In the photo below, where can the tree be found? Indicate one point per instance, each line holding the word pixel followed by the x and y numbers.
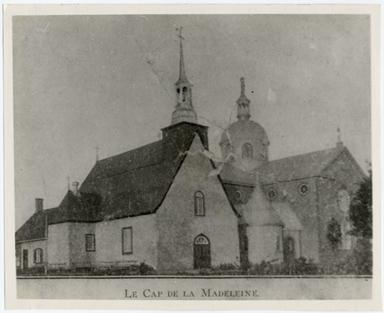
pixel 361 209
pixel 334 233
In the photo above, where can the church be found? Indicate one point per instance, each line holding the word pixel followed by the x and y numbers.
pixel 176 207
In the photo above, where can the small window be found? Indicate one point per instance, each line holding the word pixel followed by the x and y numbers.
pixel 247 151
pixel 239 196
pixel 127 241
pixel 272 194
pixel 199 204
pixel 303 189
pixel 343 200
pixel 90 243
pixel 38 256
pixel 184 93
pixel 278 244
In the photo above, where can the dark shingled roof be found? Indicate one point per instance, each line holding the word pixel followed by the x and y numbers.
pixel 82 208
pixel 128 184
pixel 298 166
pixel 294 167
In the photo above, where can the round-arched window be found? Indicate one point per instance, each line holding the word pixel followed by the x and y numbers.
pixel 238 196
pixel 343 200
pixel 199 204
pixel 303 189
pixel 247 151
pixel 272 193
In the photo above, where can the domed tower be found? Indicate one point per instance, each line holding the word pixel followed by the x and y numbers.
pixel 246 139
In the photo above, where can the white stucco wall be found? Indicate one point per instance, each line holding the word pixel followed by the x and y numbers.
pixel 178 226
pixel 58 251
pixel 295 234
pixel 109 241
pixel 79 257
pixel 31 246
pixel 262 243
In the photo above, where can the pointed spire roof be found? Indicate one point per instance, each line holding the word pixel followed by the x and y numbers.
pixel 182 75
pixel 243 112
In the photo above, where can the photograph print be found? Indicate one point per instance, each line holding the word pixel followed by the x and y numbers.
pixel 208 152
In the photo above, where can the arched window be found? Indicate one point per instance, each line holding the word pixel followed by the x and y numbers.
pixel 38 256
pixel 247 151
pixel 184 93
pixel 344 201
pixel 199 204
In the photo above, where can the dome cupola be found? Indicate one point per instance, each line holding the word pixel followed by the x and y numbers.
pixel 245 139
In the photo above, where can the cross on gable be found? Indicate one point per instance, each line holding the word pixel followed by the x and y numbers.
pixel 180 29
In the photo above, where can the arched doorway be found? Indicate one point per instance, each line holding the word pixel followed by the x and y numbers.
pixel 289 249
pixel 201 252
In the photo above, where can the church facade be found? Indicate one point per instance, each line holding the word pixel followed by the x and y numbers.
pixel 172 205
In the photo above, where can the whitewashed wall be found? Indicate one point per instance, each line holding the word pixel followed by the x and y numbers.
pixel 178 225
pixel 262 243
pixel 31 246
pixel 109 241
pixel 78 255
pixel 58 245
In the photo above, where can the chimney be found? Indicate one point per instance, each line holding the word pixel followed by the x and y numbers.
pixel 75 188
pixel 39 205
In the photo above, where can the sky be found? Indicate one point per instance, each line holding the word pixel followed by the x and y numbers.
pixel 82 82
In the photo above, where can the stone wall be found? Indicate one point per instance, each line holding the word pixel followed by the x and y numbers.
pixel 342 174
pixel 306 209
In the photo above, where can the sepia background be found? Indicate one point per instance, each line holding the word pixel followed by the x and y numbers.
pixel 82 82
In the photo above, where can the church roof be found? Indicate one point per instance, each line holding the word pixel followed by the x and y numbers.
pixel 298 166
pixel 81 208
pixel 128 184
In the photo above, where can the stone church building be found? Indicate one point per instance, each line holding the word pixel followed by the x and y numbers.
pixel 174 206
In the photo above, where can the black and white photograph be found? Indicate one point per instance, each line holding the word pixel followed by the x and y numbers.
pixel 192 156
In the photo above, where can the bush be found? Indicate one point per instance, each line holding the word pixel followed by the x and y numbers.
pixel 358 262
pixel 300 266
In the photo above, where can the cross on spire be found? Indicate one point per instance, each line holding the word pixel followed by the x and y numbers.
pixel 97 150
pixel 339 143
pixel 242 86
pixel 243 112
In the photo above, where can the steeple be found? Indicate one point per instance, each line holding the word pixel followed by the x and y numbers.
pixel 243 112
pixel 184 111
pixel 339 143
pixel 182 76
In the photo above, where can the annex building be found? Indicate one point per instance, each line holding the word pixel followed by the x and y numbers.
pixel 171 205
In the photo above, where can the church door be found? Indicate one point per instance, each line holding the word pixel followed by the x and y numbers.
pixel 289 250
pixel 201 252
pixel 25 259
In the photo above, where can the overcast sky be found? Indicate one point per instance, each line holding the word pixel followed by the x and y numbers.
pixel 108 81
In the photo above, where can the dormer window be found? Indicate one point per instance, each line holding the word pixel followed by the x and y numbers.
pixel 199 204
pixel 247 151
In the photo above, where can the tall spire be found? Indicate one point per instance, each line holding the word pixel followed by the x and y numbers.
pixel 184 111
pixel 243 112
pixel 182 75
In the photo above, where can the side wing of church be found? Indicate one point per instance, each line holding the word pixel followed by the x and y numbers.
pixel 168 205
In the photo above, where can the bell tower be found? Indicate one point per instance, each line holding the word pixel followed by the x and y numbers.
pixel 184 111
